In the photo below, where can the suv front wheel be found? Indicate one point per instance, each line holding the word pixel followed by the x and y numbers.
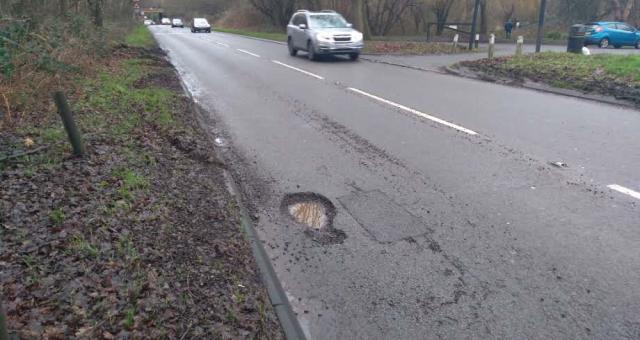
pixel 292 50
pixel 311 51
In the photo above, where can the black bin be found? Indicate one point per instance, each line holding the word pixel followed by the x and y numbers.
pixel 576 38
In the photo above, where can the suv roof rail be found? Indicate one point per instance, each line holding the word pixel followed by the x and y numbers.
pixel 328 11
pixel 302 10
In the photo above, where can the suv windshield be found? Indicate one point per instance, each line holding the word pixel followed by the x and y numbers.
pixel 327 21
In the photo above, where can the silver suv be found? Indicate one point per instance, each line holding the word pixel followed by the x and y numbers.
pixel 320 33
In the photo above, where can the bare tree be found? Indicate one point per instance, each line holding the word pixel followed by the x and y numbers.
pixel 360 18
pixel 621 9
pixel 278 11
pixel 383 15
pixel 441 9
pixel 418 14
pixel 96 8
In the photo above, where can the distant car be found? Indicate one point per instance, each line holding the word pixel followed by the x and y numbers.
pixel 321 33
pixel 200 25
pixel 165 21
pixel 149 22
pixel 177 23
pixel 616 34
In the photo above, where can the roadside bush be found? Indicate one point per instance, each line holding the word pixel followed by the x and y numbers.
pixel 554 36
pixel 36 59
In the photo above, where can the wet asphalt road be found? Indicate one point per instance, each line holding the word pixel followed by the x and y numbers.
pixel 456 224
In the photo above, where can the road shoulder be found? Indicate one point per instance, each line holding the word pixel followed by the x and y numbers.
pixel 140 237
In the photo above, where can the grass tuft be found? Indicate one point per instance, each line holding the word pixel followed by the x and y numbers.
pixel 57 216
pixel 140 37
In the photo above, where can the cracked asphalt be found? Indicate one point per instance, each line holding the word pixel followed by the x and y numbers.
pixel 456 223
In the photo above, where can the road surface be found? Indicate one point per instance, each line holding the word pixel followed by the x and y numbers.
pixel 457 224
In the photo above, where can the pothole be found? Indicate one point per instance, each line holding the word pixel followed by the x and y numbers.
pixel 312 214
pixel 316 213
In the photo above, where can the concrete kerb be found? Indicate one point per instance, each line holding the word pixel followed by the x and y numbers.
pixel 279 301
pixel 417 68
pixel 252 38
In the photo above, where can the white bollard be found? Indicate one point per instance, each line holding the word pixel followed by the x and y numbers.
pixel 477 40
pixel 492 45
pixel 519 46
pixel 455 41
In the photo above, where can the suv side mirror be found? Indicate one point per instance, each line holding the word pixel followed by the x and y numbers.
pixel 350 25
pixel 302 26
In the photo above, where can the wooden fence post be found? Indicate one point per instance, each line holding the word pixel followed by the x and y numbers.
pixel 4 332
pixel 75 137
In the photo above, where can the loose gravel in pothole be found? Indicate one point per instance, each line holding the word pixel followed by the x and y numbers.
pixel 316 213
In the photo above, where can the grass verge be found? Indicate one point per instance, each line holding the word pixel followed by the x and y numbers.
pixel 603 74
pixel 411 48
pixel 140 37
pixel 138 239
pixel 282 37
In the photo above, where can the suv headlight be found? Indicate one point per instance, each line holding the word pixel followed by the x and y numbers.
pixel 325 37
pixel 357 36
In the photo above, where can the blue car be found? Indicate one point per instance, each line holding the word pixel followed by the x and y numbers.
pixel 616 34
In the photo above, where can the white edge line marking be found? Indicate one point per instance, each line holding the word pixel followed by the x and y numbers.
pixel 247 52
pixel 222 44
pixel 415 112
pixel 624 190
pixel 299 70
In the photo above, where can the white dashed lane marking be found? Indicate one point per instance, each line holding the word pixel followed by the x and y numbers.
pixel 624 190
pixel 247 52
pixel 297 69
pixel 415 112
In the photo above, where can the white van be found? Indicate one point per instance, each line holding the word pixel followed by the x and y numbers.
pixel 200 25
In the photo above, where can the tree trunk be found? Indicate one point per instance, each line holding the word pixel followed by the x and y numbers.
pixel 62 6
pixel 483 17
pixel 620 12
pixel 4 8
pixel 96 10
pixel 627 10
pixel 359 14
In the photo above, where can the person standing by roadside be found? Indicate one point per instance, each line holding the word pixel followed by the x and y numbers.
pixel 508 28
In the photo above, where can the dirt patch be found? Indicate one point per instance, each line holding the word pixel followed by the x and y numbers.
pixel 139 239
pixel 159 79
